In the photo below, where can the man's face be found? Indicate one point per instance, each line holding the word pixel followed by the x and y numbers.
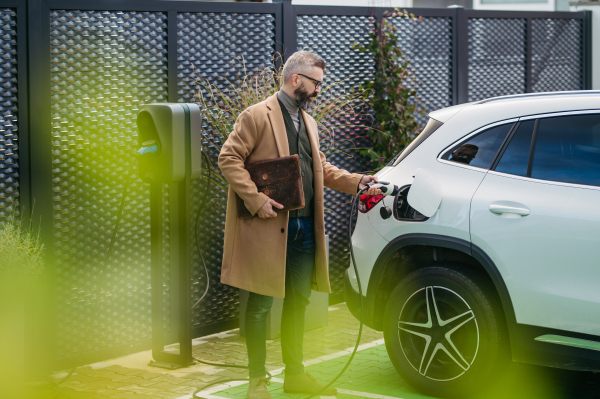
pixel 307 89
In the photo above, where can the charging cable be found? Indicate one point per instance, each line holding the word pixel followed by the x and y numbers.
pixel 360 328
pixel 141 152
pixel 206 290
pixel 200 209
pixel 386 188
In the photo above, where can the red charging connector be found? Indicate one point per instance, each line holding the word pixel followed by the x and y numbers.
pixel 368 202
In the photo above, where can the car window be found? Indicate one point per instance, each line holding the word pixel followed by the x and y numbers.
pixel 567 149
pixel 432 126
pixel 516 156
pixel 481 149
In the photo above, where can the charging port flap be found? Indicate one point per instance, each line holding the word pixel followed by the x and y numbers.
pixel 425 193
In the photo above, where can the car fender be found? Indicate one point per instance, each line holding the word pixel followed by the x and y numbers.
pixel 444 242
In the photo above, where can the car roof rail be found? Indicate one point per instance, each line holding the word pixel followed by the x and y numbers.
pixel 542 94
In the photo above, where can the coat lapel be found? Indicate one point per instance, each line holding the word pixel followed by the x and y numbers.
pixel 314 142
pixel 278 126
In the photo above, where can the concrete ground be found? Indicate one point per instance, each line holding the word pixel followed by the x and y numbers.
pixel 371 374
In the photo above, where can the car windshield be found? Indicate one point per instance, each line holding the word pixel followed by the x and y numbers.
pixel 432 126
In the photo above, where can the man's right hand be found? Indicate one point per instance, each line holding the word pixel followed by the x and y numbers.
pixel 266 211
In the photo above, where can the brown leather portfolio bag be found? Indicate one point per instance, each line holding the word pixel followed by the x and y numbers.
pixel 280 179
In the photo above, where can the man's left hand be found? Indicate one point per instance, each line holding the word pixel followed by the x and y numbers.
pixel 369 179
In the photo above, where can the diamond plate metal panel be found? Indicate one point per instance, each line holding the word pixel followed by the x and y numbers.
pixel 216 46
pixel 105 65
pixel 497 57
pixel 557 54
pixel 427 45
pixel 331 37
pixel 9 135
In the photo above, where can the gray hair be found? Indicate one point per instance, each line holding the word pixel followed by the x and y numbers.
pixel 301 62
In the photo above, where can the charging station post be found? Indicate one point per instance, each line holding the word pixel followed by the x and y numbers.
pixel 170 153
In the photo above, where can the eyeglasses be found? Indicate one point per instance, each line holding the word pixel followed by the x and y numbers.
pixel 317 82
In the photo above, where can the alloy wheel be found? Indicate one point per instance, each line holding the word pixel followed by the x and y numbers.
pixel 438 333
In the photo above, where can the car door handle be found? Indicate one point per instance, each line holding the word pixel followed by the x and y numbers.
pixel 510 209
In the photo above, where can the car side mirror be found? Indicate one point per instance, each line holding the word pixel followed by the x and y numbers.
pixel 425 193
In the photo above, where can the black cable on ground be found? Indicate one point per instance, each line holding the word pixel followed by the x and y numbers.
pixel 222 381
pixel 100 285
pixel 200 209
pixel 356 199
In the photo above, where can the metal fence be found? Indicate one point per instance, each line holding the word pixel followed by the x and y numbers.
pixel 74 75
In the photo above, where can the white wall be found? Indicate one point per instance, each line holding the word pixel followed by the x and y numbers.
pixel 548 5
pixel 595 8
pixel 360 3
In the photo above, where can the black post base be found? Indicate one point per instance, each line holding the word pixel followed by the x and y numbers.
pixel 168 366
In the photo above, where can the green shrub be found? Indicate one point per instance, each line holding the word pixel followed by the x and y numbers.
pixel 391 93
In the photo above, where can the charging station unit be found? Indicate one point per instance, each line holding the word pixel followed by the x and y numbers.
pixel 171 153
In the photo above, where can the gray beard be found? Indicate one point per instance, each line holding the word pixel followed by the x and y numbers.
pixel 305 100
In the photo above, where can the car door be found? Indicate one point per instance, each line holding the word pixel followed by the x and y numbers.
pixel 536 214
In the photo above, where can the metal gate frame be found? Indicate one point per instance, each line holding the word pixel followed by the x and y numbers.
pixel 460 17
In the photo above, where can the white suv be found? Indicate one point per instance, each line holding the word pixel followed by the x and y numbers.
pixel 509 264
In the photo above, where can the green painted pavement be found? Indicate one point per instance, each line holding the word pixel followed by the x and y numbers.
pixel 372 372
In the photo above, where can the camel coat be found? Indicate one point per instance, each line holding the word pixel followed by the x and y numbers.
pixel 254 250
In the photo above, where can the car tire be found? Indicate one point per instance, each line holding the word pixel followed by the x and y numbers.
pixel 445 332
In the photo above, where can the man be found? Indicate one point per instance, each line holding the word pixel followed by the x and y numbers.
pixel 280 254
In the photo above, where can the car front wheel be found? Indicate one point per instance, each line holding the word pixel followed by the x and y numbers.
pixel 444 331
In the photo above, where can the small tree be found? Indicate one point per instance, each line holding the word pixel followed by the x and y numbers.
pixel 391 93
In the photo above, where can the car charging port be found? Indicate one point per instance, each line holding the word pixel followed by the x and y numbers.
pixel 403 211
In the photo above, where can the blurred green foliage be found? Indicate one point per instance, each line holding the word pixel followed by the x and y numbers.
pixel 20 250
